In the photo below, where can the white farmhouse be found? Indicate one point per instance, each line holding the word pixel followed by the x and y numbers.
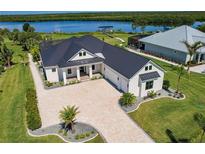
pixel 87 55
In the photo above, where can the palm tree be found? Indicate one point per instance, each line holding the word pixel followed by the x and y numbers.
pixel 128 99
pixel 200 119
pixel 6 55
pixel 192 49
pixel 180 72
pixel 67 116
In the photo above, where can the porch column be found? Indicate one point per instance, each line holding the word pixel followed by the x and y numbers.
pixel 199 57
pixel 90 71
pixel 78 74
pixel 64 77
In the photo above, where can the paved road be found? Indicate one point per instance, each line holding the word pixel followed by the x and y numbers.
pixel 97 102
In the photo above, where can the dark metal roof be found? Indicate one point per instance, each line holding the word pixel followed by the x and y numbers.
pixel 148 76
pixel 84 61
pixel 58 53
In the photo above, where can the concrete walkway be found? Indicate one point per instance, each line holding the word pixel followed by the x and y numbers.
pixel 98 104
pixel 198 69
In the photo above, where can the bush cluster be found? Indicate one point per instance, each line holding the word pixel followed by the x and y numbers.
pixel 82 136
pixel 32 117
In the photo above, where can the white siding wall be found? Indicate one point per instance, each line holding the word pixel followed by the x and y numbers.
pixel 117 79
pixel 51 76
pixel 138 88
pixel 170 54
pixel 77 57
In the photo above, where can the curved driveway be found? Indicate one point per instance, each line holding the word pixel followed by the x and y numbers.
pixel 98 105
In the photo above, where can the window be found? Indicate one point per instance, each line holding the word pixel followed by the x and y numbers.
pixel 150 67
pixel 80 54
pixel 53 69
pixel 117 78
pixel 93 67
pixel 69 71
pixel 149 85
pixel 84 53
pixel 146 68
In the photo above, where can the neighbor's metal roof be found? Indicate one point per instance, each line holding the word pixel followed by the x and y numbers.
pixel 174 38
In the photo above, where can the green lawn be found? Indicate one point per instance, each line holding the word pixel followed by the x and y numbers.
pixel 99 35
pixel 14 83
pixel 97 139
pixel 158 115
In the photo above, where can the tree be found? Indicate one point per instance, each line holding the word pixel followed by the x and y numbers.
pixel 192 49
pixel 26 27
pixel 201 28
pixel 35 53
pixel 180 72
pixel 127 99
pixel 6 55
pixel 1 40
pixel 31 29
pixel 200 119
pixel 23 58
pixel 68 115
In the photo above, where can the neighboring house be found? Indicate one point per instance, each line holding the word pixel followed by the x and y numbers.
pixel 87 55
pixel 169 44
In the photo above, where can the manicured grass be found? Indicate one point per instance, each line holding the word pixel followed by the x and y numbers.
pixel 99 35
pixel 97 139
pixel 158 115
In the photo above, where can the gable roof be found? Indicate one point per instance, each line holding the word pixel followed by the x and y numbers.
pixel 57 54
pixel 173 38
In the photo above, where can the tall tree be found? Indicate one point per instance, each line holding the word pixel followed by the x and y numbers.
pixel 68 115
pixel 6 55
pixel 26 27
pixel 192 49
pixel 200 119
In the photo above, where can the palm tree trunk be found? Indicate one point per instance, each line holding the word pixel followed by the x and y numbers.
pixel 178 83
pixel 188 67
pixel 9 62
pixel 202 136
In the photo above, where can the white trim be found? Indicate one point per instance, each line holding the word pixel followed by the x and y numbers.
pixel 70 59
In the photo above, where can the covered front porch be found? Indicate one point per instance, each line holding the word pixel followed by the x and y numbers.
pixel 81 73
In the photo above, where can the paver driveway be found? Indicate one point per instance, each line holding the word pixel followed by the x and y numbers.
pixel 97 102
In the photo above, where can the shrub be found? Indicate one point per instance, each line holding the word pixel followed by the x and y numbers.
pixel 48 84
pixel 32 117
pixel 151 94
pixel 128 99
pixel 1 69
pixel 166 84
pixel 74 82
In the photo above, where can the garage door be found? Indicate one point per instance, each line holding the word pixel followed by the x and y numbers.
pixel 111 76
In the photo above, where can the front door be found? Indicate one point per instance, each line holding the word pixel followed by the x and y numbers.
pixel 82 69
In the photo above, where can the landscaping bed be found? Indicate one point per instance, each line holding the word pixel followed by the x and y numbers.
pixel 82 132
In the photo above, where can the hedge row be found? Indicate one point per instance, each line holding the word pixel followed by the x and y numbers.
pixel 32 116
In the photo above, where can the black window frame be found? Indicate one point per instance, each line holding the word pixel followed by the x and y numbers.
pixel 80 54
pixel 146 68
pixel 69 71
pixel 53 69
pixel 93 67
pixel 84 53
pixel 149 85
pixel 150 67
